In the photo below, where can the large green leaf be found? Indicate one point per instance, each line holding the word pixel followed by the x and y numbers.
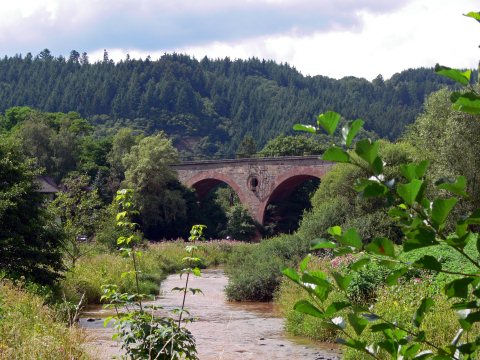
pixel 457 187
pixel 323 244
pixel 414 171
pixel 468 103
pixel 291 274
pixel 336 306
pixel 350 130
pixel 367 150
pixel 474 15
pixel 381 246
pixel 342 281
pixel 358 324
pixel 425 305
pixel 308 128
pixel 440 210
pixel 306 307
pixel 458 288
pixel 409 192
pixel 462 77
pixel 370 188
pixel 428 262
pixel 418 238
pixel 336 154
pixel 351 238
pixel 392 279
pixel 328 121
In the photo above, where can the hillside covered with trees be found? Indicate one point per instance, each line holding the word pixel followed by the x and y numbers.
pixel 207 107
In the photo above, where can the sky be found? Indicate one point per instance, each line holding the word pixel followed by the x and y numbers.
pixel 335 38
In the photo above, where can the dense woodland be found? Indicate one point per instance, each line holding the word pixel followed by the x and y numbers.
pixel 209 106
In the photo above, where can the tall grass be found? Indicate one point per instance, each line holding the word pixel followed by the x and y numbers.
pixel 29 329
pixel 157 261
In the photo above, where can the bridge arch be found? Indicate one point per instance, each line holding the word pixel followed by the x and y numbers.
pixel 204 183
pixel 286 184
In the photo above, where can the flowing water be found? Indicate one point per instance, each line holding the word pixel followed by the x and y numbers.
pixel 223 330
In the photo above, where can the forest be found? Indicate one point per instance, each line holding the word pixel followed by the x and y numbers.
pixel 207 107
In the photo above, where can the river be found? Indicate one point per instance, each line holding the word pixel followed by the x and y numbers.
pixel 224 330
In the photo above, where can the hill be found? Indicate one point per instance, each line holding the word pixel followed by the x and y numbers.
pixel 208 106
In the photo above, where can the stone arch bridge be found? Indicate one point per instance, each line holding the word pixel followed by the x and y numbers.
pixel 257 181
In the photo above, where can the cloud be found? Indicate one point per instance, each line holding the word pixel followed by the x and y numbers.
pixel 154 25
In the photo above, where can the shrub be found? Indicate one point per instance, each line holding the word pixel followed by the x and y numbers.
pixel 254 271
pixel 29 330
pixel 300 324
pixel 400 302
pixel 158 260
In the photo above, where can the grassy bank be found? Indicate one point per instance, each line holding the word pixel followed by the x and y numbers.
pixel 31 330
pixel 157 261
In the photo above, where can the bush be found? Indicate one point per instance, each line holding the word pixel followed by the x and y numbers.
pixel 254 271
pixel 400 302
pixel 158 260
pixel 299 324
pixel 29 329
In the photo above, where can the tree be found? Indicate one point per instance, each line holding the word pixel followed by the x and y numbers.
pixel 122 143
pixel 297 145
pixel 247 147
pixel 240 225
pixel 157 195
pixel 30 241
pixel 78 208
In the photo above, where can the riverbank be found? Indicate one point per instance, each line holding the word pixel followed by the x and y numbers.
pixel 223 330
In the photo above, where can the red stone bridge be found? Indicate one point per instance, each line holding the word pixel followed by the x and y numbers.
pixel 257 181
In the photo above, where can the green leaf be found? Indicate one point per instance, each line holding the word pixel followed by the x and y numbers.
pixel 196 271
pixel 335 307
pixel 358 324
pixel 367 150
pixel 308 128
pixel 336 154
pixel 335 231
pixel 458 187
pixel 355 344
pixel 440 210
pixel 408 192
pixel 350 130
pixel 468 103
pixel 381 327
pixel 370 188
pixel 351 238
pixel 359 263
pixel 456 75
pixel 458 288
pixel 474 218
pixel 381 246
pixel 377 166
pixel 425 306
pixel 414 171
pixel 342 281
pixel 323 244
pixel 428 262
pixel 304 262
pixel 305 307
pixel 392 279
pixel 328 121
pixel 474 15
pixel 291 274
pixel 418 238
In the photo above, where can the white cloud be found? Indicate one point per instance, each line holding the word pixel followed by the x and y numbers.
pixel 330 37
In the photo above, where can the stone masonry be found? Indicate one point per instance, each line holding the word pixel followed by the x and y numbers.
pixel 257 181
